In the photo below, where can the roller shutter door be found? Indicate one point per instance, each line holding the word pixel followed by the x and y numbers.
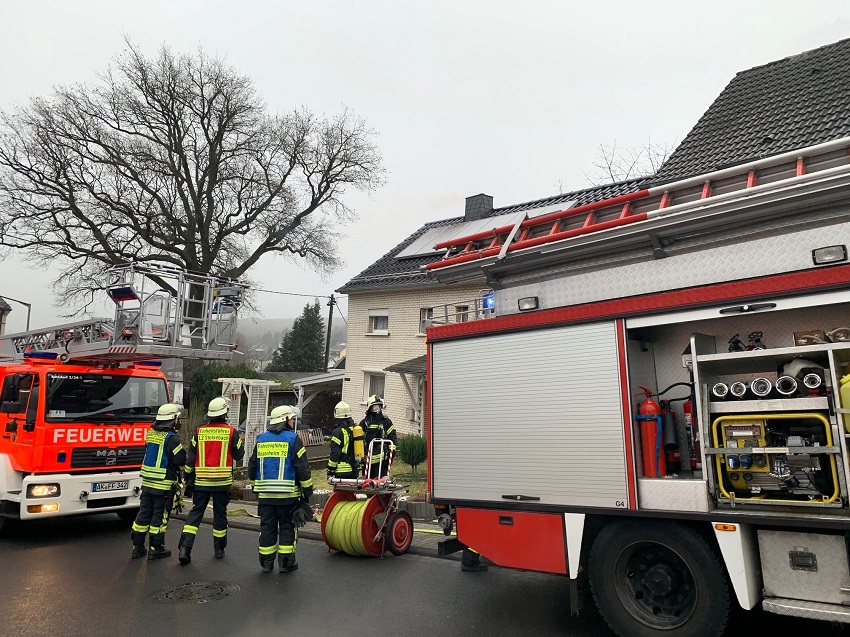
pixel 534 413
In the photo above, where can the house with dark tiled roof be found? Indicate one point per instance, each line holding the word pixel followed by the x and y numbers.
pixel 789 104
pixel 392 302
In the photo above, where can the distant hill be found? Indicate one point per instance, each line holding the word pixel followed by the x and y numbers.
pixel 254 328
pixel 269 331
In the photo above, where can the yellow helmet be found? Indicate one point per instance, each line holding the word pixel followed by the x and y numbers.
pixel 168 411
pixel 374 400
pixel 218 407
pixel 342 410
pixel 280 414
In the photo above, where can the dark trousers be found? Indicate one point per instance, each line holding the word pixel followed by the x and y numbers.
pixel 202 497
pixel 277 532
pixel 154 510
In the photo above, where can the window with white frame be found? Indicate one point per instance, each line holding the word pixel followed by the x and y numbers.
pixel 426 315
pixel 379 322
pixel 373 384
pixel 461 313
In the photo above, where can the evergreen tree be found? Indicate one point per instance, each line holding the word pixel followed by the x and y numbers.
pixel 303 347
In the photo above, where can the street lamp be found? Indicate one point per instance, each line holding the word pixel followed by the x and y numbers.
pixel 28 306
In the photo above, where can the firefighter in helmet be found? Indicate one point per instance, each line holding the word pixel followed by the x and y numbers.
pixel 164 455
pixel 378 426
pixel 343 462
pixel 281 478
pixel 209 474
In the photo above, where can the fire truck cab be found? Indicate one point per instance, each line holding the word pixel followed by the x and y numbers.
pixel 73 436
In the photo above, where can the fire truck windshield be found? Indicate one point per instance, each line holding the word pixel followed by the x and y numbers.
pixel 103 397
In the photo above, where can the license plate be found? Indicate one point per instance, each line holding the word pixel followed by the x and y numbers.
pixel 119 485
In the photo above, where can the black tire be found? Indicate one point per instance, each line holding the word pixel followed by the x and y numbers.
pixel 400 533
pixel 128 515
pixel 650 578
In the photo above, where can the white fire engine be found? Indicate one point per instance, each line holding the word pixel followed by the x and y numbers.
pixel 732 289
pixel 76 400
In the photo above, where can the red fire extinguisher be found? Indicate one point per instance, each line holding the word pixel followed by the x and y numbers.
pixel 694 447
pixel 654 465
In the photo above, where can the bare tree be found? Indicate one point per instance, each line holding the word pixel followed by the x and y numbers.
pixel 620 164
pixel 175 159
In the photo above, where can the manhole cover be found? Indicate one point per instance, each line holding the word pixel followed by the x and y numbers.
pixel 194 593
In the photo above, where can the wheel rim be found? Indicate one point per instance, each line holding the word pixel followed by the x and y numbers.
pixel 655 585
pixel 401 533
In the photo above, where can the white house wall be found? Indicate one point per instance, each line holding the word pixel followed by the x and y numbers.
pixel 404 342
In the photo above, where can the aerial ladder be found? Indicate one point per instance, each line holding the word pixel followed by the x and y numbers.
pixel 160 312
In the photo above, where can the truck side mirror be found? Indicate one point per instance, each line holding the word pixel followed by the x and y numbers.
pixel 10 407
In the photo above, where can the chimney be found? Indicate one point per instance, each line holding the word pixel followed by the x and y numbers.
pixel 478 207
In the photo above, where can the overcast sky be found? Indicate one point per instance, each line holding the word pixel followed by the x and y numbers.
pixel 507 98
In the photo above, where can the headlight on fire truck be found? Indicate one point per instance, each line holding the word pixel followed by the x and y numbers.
pixel 43 490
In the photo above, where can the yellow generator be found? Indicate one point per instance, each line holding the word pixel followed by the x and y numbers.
pixel 782 457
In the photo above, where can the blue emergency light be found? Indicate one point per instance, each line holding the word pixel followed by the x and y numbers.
pixel 489 301
pixel 51 356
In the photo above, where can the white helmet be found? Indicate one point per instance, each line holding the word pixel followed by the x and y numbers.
pixel 374 400
pixel 342 410
pixel 218 407
pixel 168 411
pixel 280 414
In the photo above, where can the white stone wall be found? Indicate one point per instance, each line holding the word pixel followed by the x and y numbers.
pixel 404 341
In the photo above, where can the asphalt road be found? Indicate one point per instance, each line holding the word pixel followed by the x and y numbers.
pixel 74 577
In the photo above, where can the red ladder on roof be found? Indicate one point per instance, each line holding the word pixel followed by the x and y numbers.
pixel 645 204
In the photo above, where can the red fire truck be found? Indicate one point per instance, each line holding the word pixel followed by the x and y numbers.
pixel 727 296
pixel 76 400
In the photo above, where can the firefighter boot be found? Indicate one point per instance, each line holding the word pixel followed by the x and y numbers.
pixel 471 561
pixel 139 550
pixel 219 553
pixel 158 552
pixel 185 548
pixel 287 563
pixel 267 562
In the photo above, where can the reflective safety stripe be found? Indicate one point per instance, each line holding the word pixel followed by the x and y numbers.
pixel 213 483
pixel 279 494
pixel 159 485
pixel 219 532
pixel 268 550
pixel 138 528
pixel 284 549
pixel 191 530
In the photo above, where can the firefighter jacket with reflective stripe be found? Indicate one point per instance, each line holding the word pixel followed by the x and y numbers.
pixel 209 461
pixel 378 426
pixel 342 451
pixel 278 468
pixel 163 457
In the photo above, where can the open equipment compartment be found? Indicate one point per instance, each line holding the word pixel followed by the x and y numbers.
pixel 779 421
